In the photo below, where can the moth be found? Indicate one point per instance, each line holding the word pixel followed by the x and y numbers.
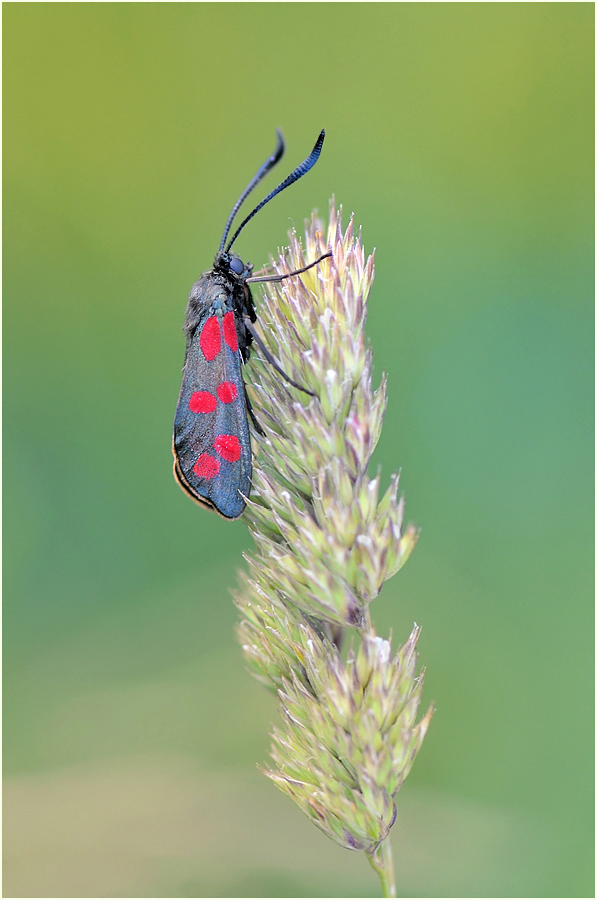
pixel 211 442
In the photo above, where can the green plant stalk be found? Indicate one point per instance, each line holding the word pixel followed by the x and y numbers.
pixel 382 861
pixel 325 543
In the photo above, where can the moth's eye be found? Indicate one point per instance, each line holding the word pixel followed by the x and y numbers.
pixel 237 265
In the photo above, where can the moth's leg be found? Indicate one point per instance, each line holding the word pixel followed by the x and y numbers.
pixel 252 330
pixel 277 278
pixel 251 412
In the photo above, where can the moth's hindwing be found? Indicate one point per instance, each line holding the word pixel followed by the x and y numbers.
pixel 212 449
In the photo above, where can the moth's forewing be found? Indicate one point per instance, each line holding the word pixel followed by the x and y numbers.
pixel 212 449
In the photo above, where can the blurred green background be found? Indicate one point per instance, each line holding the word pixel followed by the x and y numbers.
pixel 461 136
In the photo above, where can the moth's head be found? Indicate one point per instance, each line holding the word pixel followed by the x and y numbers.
pixel 232 265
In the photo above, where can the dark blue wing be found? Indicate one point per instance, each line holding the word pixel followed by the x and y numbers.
pixel 212 448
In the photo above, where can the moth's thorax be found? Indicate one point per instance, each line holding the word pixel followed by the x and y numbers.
pixel 215 293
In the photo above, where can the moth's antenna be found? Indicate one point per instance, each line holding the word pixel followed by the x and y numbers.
pixel 267 165
pixel 301 170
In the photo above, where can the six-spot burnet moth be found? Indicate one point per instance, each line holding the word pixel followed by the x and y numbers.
pixel 211 443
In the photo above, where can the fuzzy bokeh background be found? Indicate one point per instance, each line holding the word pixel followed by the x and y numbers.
pixel 461 136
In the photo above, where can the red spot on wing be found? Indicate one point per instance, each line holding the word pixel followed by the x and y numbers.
pixel 207 466
pixel 227 391
pixel 230 331
pixel 203 402
pixel 210 340
pixel 228 447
